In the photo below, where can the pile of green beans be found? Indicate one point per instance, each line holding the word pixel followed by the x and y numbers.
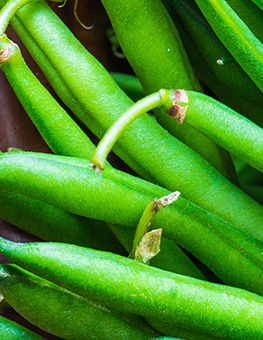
pixel 80 284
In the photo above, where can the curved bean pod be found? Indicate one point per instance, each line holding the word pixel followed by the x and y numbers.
pixel 225 126
pixel 141 157
pixel 63 136
pixel 147 35
pixel 57 128
pixel 61 313
pixel 211 49
pixel 81 191
pixel 133 287
pixel 10 330
pixel 236 36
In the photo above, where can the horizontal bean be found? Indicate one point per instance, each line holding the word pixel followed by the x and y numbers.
pixel 67 315
pixel 79 190
pixel 225 126
pixel 133 287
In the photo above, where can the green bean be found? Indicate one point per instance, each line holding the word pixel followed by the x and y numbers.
pixel 201 193
pixel 168 256
pixel 109 103
pixel 211 49
pixel 60 132
pixel 236 36
pixel 10 330
pixel 53 224
pixel 57 128
pixel 259 3
pixel 79 190
pixel 132 287
pixel 129 84
pixel 174 330
pixel 67 315
pixel 250 14
pixel 226 127
pixel 227 95
pixel 135 25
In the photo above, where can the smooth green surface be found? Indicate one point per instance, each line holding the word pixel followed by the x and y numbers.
pixel 78 189
pixel 133 287
pixel 129 84
pixel 149 149
pixel 154 49
pixel 10 330
pixel 67 315
pixel 211 49
pixel 236 36
pixel 238 135
pixel 54 224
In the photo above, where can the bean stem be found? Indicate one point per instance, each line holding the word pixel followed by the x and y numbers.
pixel 159 99
pixel 148 216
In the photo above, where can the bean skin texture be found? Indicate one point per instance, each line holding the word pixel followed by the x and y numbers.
pixel 63 136
pixel 133 287
pixel 212 49
pixel 64 314
pixel 79 190
pixel 226 127
pixel 53 224
pixel 164 155
pixel 147 29
pixel 241 103
pixel 10 330
pixel 236 36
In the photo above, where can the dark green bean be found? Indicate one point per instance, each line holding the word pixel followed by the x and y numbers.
pixel 211 49
pixel 133 287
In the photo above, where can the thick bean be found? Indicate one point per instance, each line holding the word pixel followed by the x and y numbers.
pixel 147 35
pixel 130 286
pixel 61 313
pixel 80 190
pixel 145 131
